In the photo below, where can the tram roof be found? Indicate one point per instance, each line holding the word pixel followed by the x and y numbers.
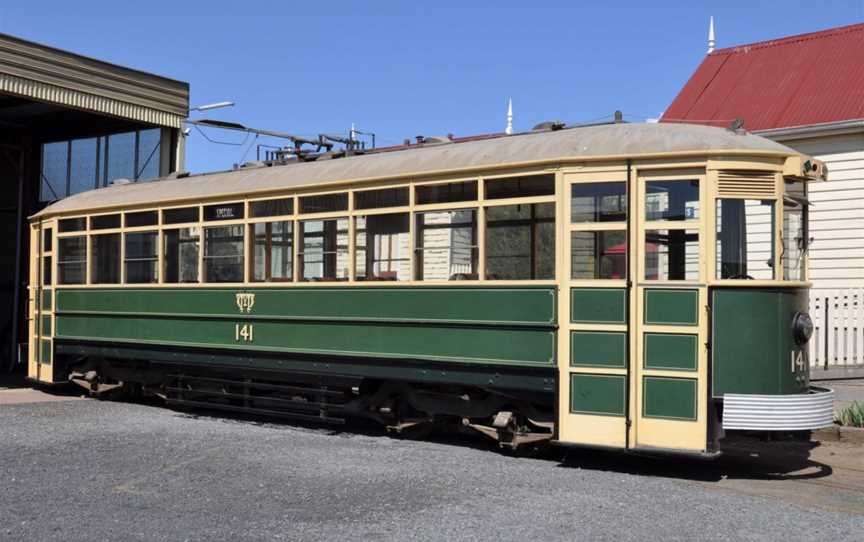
pixel 536 148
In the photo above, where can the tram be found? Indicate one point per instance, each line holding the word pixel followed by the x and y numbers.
pixel 626 286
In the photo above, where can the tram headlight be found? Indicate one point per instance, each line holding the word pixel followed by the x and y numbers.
pixel 802 327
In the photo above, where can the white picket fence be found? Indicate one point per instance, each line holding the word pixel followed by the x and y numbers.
pixel 838 334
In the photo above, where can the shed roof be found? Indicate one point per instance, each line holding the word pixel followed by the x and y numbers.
pixel 801 80
pixel 570 145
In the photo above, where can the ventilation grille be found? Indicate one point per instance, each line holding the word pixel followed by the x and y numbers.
pixel 744 183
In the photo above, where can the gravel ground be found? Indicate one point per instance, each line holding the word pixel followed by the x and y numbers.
pixel 91 470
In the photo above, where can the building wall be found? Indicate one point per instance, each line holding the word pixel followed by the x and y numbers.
pixel 837 213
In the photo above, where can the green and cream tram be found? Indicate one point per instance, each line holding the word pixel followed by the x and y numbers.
pixel 630 286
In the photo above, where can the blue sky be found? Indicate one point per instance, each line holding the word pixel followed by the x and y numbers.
pixel 400 69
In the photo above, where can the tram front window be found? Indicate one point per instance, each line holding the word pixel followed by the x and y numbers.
pixel 671 254
pixel 745 239
pixel 794 237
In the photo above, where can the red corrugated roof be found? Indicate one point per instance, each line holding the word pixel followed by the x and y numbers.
pixel 800 80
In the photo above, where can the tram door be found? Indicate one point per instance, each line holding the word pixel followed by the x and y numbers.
pixel 40 306
pixel 632 359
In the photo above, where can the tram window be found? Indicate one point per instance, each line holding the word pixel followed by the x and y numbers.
pixel 141 257
pixel 180 249
pixel 223 211
pixel 223 254
pixel 323 252
pixel 105 259
pixel 46 270
pixel 672 200
pixel 446 193
pixel 271 207
pixel 142 218
pixel 598 255
pixel 794 238
pixel 520 242
pixel 104 222
pixel 180 216
pixel 745 239
pixel 520 187
pixel 273 251
pixel 446 245
pixel 72 260
pixel 671 254
pixel 383 247
pixel 598 202
pixel 47 240
pixel 326 203
pixel 72 224
pixel 376 199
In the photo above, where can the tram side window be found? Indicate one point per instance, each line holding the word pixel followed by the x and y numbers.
pixel 745 239
pixel 520 242
pixel 223 254
pixel 141 258
pixel 272 251
pixel 72 260
pixel 446 245
pixel 324 250
pixel 105 259
pixel 598 254
pixel 672 200
pixel 795 240
pixel 671 254
pixel 383 247
pixel 181 255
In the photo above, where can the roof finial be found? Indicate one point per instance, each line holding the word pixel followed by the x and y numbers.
pixel 509 129
pixel 711 41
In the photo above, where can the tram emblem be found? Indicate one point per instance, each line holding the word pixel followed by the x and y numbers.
pixel 245 302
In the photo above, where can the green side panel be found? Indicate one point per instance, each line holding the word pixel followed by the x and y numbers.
pixel 46 326
pixel 598 305
pixel 672 307
pixel 525 346
pixel 597 394
pixel 598 348
pixel 46 300
pixel 489 305
pixel 671 351
pixel 673 398
pixel 753 346
pixel 45 355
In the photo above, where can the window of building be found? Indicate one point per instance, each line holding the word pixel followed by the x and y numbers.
pixel 73 166
pixel 223 254
pixel 376 199
pixel 141 257
pixel 272 251
pixel 598 254
pixel 105 258
pixel 446 245
pixel 223 211
pixel 795 239
pixel 383 247
pixel 72 260
pixel 518 187
pixel 326 203
pixel 142 218
pixel 323 252
pixel 104 222
pixel 446 193
pixel 181 215
pixel 598 202
pixel 671 254
pixel 745 239
pixel 672 200
pixel 271 207
pixel 181 250
pixel 520 242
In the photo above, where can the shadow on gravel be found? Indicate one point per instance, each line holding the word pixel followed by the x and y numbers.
pixel 742 458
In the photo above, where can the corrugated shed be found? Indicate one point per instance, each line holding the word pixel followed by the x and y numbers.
pixel 800 80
